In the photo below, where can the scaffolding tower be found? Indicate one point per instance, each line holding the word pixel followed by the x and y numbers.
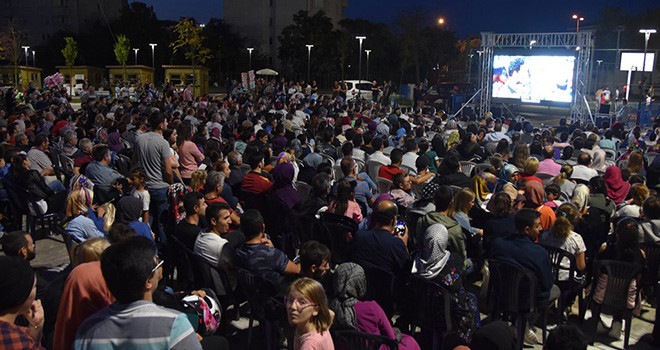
pixel 582 42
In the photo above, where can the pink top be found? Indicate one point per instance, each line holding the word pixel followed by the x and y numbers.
pixel 314 341
pixel 354 211
pixel 548 166
pixel 189 157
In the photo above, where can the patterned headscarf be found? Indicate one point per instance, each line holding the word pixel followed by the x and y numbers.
pixel 80 181
pixel 453 140
pixel 480 188
pixel 434 254
pixel 175 195
pixel 350 285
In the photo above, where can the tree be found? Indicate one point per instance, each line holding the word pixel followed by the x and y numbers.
pixel 122 49
pixel 316 30
pixel 191 41
pixel 70 52
pixel 10 43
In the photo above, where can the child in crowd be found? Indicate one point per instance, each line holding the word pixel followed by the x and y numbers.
pixel 552 192
pixel 138 178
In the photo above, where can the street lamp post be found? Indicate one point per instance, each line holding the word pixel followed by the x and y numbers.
pixel 309 60
pixel 26 48
pixel 153 59
pixel 618 31
pixel 361 39
pixel 250 49
pixel 136 51
pixel 34 58
pixel 368 52
pixel 598 72
pixel 577 19
pixel 647 35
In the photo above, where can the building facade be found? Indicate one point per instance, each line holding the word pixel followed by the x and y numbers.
pixel 40 19
pixel 262 21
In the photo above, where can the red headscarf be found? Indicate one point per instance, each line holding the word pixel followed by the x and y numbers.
pixel 617 189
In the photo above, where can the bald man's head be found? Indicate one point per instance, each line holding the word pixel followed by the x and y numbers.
pixel 385 213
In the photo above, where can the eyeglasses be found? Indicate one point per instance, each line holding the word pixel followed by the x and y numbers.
pixel 159 264
pixel 302 303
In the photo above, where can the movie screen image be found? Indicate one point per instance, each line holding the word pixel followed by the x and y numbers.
pixel 533 79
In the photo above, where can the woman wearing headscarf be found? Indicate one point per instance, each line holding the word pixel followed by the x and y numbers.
pixel 351 311
pixel 534 199
pixel 617 189
pixel 282 188
pixel 436 264
pixel 508 176
pixel 129 210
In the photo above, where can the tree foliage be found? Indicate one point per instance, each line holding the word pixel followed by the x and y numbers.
pixel 70 51
pixel 122 48
pixel 190 40
pixel 11 40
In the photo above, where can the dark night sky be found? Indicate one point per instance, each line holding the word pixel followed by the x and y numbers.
pixel 465 17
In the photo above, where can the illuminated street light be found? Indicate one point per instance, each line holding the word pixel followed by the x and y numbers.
pixel 441 21
pixel 26 48
pixel 577 19
pixel 250 49
pixel 361 39
pixel 309 60
pixel 368 52
pixel 136 51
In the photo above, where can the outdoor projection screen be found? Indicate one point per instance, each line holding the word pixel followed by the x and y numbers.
pixel 533 79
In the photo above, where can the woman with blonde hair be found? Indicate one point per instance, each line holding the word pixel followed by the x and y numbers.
pixel 308 312
pixel 561 235
pixel 633 207
pixel 82 223
pixel 107 211
pixel 198 180
pixel 566 186
pixel 459 208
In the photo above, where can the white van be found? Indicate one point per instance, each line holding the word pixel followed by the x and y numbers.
pixel 363 87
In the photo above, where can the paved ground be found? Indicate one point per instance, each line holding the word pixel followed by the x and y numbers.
pixel 51 256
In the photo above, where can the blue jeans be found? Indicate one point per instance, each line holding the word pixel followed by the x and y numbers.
pixel 56 185
pixel 157 207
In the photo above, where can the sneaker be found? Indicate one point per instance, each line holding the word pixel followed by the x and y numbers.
pixel 615 331
pixel 530 337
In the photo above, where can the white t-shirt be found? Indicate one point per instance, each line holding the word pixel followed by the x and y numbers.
pixel 211 246
pixel 144 197
pixel 573 244
pixel 629 210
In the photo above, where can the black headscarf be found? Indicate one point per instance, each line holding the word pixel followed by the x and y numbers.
pixel 129 209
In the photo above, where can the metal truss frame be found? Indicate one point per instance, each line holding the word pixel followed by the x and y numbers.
pixel 583 42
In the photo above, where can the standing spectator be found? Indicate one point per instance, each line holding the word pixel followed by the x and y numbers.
pixel 189 155
pixel 152 151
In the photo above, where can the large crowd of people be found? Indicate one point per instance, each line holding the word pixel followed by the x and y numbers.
pixel 314 195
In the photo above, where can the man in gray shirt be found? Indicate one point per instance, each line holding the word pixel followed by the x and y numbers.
pixel 152 152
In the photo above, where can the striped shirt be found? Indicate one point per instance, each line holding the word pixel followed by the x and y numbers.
pixel 138 325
